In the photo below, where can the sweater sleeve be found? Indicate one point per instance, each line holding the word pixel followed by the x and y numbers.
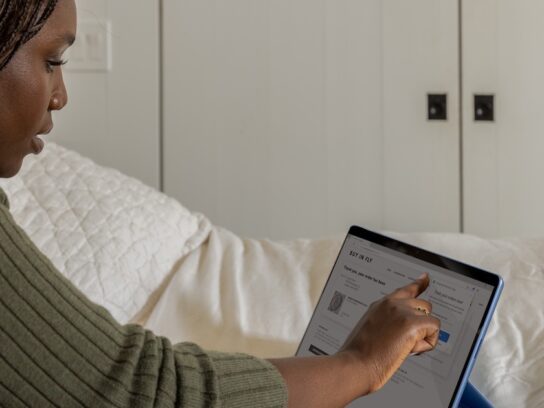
pixel 4 199
pixel 60 349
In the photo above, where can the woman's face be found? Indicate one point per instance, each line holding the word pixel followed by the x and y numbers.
pixel 31 87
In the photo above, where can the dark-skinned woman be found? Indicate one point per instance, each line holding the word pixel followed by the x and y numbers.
pixel 58 349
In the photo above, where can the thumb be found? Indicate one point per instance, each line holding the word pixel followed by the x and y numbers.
pixel 427 343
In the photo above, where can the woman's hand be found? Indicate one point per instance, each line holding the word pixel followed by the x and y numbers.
pixel 393 328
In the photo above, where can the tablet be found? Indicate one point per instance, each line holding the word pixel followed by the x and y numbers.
pixel 370 266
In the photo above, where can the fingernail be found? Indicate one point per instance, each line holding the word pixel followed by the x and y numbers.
pixel 424 274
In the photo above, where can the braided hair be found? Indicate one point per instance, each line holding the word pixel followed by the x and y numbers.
pixel 20 20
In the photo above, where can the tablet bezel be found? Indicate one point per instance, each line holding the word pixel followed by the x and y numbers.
pixel 442 261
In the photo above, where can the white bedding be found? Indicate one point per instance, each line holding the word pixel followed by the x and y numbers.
pixel 111 235
pixel 257 296
pixel 127 246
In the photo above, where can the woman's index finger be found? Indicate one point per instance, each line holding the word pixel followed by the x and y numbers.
pixel 412 290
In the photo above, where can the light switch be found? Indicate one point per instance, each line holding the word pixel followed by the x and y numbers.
pixel 92 49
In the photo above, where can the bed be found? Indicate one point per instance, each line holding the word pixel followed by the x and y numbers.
pixel 148 259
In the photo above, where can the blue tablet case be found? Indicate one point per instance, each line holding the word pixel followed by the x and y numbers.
pixel 472 398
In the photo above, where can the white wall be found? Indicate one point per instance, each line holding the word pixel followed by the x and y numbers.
pixel 288 118
pixel 250 139
pixel 113 117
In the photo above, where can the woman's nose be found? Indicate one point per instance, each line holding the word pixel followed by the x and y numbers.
pixel 59 99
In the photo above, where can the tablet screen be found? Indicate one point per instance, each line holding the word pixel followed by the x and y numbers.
pixel 364 272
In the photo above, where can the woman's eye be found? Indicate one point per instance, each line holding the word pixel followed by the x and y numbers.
pixel 51 64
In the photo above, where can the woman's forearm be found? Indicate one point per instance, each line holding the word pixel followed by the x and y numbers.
pixel 325 381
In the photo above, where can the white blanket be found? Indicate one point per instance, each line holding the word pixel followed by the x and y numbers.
pixel 128 246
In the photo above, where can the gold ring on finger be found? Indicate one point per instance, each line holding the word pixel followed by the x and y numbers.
pixel 420 309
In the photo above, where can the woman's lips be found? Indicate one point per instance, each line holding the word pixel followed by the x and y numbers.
pixel 46 132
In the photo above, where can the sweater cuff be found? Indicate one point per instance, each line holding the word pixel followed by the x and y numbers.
pixel 4 199
pixel 246 381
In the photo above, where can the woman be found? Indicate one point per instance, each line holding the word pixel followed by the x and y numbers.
pixel 59 349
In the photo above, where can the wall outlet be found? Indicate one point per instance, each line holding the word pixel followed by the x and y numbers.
pixel 92 48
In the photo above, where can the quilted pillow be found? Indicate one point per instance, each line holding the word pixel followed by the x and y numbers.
pixel 115 238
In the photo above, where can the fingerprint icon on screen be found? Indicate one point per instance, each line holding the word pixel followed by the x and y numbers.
pixel 336 302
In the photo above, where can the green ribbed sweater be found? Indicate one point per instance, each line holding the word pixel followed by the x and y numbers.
pixel 60 349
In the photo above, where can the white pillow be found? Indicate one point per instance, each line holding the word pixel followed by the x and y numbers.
pixel 115 238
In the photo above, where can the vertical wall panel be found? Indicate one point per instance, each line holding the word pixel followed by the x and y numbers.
pixel 273 113
pixel 354 121
pixel 480 141
pixel 503 160
pixel 421 158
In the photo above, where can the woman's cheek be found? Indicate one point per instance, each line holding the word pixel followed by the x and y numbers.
pixel 33 105
pixel 32 93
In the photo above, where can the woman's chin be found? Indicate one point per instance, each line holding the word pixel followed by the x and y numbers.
pixel 10 169
pixel 13 167
pixel 37 144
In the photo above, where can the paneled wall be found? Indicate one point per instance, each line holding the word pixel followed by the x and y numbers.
pixel 298 118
